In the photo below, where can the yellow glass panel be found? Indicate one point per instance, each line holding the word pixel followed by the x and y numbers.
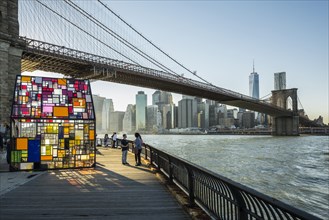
pixel 61 143
pixel 61 81
pixel 66 130
pixel 78 134
pixel 91 134
pixel 61 111
pixel 24 153
pixel 48 129
pixel 91 155
pixel 21 143
pixel 46 157
pixel 61 153
pixel 84 157
pixel 26 79
pixel 49 150
pixel 71 143
pixel 25 99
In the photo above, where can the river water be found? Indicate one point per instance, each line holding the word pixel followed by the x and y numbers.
pixel 294 170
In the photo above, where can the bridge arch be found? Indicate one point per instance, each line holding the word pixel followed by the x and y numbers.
pixel 289 103
pixel 280 102
pixel 281 98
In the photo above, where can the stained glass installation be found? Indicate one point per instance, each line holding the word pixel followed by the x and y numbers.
pixel 54 124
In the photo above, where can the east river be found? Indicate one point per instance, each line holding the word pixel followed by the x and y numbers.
pixel 294 170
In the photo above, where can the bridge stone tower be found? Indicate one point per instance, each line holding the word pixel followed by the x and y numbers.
pixel 10 55
pixel 286 125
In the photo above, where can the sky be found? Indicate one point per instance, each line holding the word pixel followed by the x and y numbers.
pixel 221 39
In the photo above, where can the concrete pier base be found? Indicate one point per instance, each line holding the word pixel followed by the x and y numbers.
pixel 285 126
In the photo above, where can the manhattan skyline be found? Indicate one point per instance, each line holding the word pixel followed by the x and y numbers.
pixel 220 40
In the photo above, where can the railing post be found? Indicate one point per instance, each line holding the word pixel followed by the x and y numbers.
pixel 242 214
pixel 151 152
pixel 145 150
pixel 170 170
pixel 190 186
pixel 158 163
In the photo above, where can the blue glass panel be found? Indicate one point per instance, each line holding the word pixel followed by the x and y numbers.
pixel 33 151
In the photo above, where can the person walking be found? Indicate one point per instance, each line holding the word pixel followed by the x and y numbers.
pixel 125 148
pixel 114 139
pixel 138 149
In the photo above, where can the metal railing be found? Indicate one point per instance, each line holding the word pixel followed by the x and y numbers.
pixel 219 196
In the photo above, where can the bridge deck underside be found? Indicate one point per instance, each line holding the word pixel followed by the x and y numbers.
pixel 84 69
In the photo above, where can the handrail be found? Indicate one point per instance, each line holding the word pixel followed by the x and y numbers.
pixel 219 196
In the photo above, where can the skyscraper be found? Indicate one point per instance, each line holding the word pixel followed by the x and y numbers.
pixel 203 114
pixel 108 108
pixel 168 119
pixel 98 105
pixel 162 99
pixel 280 81
pixel 187 112
pixel 116 119
pixel 141 103
pixel 254 84
pixel 153 121
pixel 156 97
pixel 129 119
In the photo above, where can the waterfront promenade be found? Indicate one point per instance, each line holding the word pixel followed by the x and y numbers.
pixel 110 191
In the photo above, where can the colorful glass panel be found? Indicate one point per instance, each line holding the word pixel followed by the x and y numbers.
pixel 21 143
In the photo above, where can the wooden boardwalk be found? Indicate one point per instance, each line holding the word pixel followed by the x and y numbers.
pixel 111 191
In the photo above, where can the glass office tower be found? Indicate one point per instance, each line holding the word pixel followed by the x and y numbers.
pixel 141 103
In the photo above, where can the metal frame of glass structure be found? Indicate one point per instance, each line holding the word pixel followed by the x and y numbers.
pixel 53 124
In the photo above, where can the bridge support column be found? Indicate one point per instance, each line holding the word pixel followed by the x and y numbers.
pixel 10 66
pixel 287 125
pixel 10 55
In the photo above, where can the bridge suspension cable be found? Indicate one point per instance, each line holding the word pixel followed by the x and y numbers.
pixel 158 48
pixel 102 42
pixel 118 37
pixel 300 103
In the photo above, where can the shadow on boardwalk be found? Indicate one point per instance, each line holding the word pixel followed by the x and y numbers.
pixel 111 191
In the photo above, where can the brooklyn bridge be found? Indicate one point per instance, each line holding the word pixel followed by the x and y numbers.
pixel 19 54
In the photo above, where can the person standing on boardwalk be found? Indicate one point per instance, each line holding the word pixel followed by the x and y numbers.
pixel 106 139
pixel 1 142
pixel 114 139
pixel 138 149
pixel 124 147
pixel 8 156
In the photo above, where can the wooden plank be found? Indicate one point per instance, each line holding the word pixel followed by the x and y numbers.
pixel 111 191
